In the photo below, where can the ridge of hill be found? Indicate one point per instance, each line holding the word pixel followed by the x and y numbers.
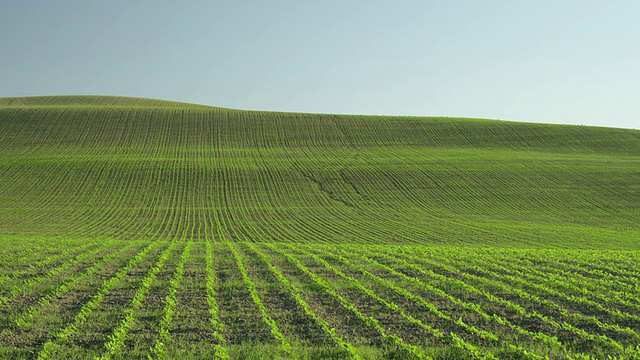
pixel 414 179
pixel 390 130
pixel 91 101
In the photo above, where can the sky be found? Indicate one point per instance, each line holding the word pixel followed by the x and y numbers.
pixel 550 61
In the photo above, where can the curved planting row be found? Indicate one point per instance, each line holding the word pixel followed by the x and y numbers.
pixel 136 228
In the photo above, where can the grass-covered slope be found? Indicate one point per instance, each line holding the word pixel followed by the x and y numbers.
pixel 137 228
pixel 129 168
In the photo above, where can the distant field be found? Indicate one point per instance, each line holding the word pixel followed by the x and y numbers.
pixel 132 228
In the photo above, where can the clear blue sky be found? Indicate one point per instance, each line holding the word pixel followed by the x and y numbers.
pixel 557 61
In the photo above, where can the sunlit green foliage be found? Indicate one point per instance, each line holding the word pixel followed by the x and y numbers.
pixel 136 228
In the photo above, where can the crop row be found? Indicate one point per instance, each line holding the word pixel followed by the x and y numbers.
pixel 87 171
pixel 417 301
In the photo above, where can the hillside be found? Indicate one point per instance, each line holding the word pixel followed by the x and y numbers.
pixel 118 167
pixel 136 227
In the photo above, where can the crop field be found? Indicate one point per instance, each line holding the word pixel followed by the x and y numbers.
pixel 137 228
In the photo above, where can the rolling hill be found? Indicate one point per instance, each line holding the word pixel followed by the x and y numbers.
pixel 133 226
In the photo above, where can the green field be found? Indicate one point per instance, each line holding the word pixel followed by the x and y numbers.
pixel 132 228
